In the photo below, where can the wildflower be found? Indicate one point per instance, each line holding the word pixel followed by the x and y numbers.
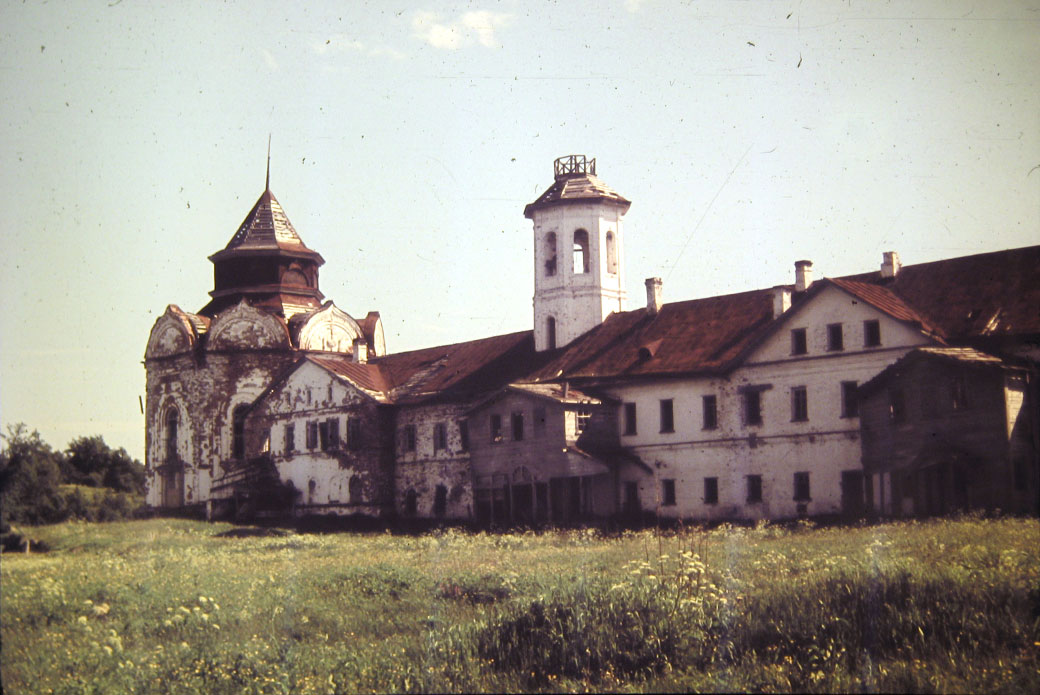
pixel 108 650
pixel 101 609
pixel 168 623
pixel 82 620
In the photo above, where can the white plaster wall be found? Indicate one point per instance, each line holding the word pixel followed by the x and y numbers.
pixel 425 468
pixel 577 301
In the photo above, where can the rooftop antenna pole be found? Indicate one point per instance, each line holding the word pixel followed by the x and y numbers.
pixel 267 183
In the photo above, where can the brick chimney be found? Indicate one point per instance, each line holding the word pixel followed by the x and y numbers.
pixel 781 300
pixel 890 264
pixel 802 275
pixel 360 351
pixel 653 295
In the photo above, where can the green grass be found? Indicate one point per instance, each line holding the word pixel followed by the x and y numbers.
pixel 167 606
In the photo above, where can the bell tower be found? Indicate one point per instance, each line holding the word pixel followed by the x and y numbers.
pixel 579 270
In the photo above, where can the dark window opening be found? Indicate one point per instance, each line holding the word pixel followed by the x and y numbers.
pixel 630 418
pixel 799 344
pixel 550 332
pixel 312 435
pixel 354 433
pixel 464 435
pixel 581 252
pixel 754 488
pixel 333 433
pixel 496 428
pixel 871 333
pixel 517 421
pixel 354 489
pixel 290 438
pixel 711 491
pixel 408 438
pixel 849 402
pixel 835 337
pixel 752 407
pixel 711 412
pixel 801 487
pixel 238 432
pixel 411 502
pixel 440 436
pixel 667 415
pixel 581 421
pixel 440 501
pixel 172 423
pixel 799 404
pixel 668 493
pixel 323 435
pixel 550 254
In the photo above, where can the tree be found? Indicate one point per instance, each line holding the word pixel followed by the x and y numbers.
pixel 30 473
pixel 89 461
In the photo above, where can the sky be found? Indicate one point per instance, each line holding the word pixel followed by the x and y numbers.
pixel 406 138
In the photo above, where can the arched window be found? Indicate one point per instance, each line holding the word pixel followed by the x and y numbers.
pixel 550 332
pixel 355 489
pixel 581 251
pixel 238 432
pixel 611 254
pixel 172 421
pixel 550 254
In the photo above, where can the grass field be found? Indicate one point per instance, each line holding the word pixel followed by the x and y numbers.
pixel 165 606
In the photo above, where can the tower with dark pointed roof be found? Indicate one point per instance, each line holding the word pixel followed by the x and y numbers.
pixel 267 264
pixel 579 276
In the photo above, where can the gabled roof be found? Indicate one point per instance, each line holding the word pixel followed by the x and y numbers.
pixel 363 375
pixel 267 228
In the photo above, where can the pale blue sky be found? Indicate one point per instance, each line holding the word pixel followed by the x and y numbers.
pixel 407 138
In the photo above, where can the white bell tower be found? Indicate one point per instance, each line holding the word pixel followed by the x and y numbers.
pixel 579 269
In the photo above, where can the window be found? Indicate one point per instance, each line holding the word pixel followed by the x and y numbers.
pixel 408 438
pixel 464 435
pixel 172 422
pixel 835 337
pixel 333 426
pixel 754 488
pixel 612 267
pixel 312 435
pixel 668 493
pixel 323 435
pixel 667 415
pixel 581 421
pixel 630 418
pixel 550 254
pixel 496 428
pixel 411 502
pixel 238 432
pixel 539 421
pixel 440 501
pixel 801 487
pixel 711 491
pixel 849 402
pixel 871 333
pixel 799 404
pixel 517 422
pixel 290 438
pixel 896 406
pixel 799 345
pixel 710 412
pixel 354 433
pixel 581 251
pixel 753 407
pixel 354 489
pixel 440 436
pixel 550 332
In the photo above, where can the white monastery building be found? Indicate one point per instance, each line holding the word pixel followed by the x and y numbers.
pixel 271 400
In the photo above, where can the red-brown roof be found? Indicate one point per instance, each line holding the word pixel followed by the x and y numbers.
pixel 365 375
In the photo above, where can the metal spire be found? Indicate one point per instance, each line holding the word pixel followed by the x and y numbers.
pixel 267 182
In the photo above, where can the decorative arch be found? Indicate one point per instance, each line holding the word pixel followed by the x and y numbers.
pixel 172 334
pixel 329 330
pixel 244 327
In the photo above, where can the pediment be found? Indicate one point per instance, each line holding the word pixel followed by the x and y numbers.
pixel 244 327
pixel 329 329
pixel 172 334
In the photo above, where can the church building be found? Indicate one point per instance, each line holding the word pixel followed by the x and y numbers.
pixel 271 400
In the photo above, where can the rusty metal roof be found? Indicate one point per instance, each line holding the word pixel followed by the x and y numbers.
pixel 964 356
pixel 557 392
pixel 367 376
pixel 267 228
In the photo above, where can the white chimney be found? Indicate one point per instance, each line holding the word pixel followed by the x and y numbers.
pixel 781 300
pixel 360 351
pixel 802 275
pixel 890 264
pixel 653 295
